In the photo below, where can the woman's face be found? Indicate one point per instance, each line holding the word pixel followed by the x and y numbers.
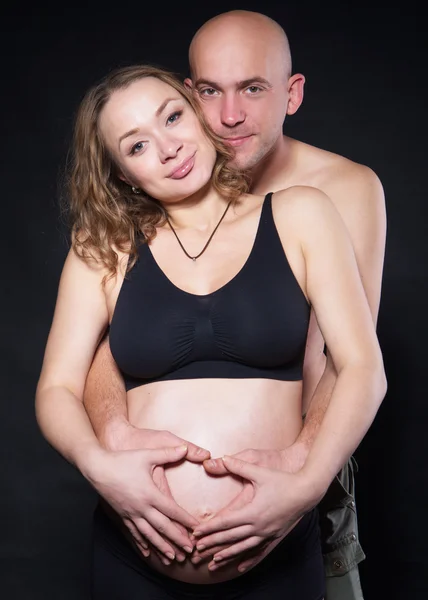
pixel 156 140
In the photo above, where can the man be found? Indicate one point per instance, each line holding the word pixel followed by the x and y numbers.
pixel 241 74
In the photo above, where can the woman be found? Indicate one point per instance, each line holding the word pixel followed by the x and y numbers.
pixel 208 323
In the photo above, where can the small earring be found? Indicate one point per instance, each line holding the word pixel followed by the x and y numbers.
pixel 136 190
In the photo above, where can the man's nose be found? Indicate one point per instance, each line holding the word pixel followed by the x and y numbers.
pixel 232 113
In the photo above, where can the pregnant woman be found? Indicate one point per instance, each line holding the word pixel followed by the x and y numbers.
pixel 207 291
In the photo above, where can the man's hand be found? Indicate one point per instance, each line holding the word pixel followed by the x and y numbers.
pixel 290 459
pixel 125 481
pixel 124 436
pixel 279 500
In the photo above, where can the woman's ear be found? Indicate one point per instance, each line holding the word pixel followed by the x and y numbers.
pixel 122 177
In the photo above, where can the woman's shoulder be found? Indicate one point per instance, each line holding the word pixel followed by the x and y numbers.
pixel 302 201
pixel 303 209
pixel 300 197
pixel 89 261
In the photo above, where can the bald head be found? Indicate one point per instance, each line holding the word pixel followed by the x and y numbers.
pixel 241 75
pixel 239 30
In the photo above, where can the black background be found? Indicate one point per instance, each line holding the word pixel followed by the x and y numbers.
pixel 366 98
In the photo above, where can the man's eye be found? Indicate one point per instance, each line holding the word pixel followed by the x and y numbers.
pixel 253 89
pixel 208 92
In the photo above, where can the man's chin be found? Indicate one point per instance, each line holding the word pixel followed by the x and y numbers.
pixel 242 162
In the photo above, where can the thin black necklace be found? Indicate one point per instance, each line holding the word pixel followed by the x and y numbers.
pixel 209 239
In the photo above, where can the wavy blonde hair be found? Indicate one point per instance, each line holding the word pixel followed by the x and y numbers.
pixel 105 213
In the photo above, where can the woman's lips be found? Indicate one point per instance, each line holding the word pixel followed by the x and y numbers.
pixel 183 169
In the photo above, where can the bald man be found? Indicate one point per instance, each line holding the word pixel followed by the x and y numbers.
pixel 241 73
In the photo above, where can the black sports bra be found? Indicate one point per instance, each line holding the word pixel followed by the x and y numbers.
pixel 254 326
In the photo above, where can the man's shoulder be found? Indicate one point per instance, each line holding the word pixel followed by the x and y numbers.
pixel 333 173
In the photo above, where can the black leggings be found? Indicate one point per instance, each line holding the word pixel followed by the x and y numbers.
pixel 292 571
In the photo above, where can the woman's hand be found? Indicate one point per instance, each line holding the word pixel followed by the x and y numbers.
pixel 125 481
pixel 279 500
pixel 291 460
pixel 120 435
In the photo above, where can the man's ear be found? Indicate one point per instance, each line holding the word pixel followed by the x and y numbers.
pixel 295 87
pixel 188 83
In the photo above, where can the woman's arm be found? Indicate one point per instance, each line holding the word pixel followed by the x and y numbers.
pixel 124 479
pixel 324 257
pixel 335 289
pixel 360 200
pixel 80 318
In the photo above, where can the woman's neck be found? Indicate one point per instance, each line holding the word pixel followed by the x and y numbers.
pixel 201 211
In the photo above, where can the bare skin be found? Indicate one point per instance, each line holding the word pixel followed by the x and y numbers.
pixel 281 163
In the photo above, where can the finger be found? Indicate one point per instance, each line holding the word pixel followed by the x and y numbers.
pixel 225 519
pixel 168 454
pixel 167 529
pixel 141 543
pixel 170 509
pixel 158 476
pixel 208 553
pixel 249 558
pixel 215 466
pixel 257 554
pixel 234 551
pixel 228 537
pixel 244 469
pixel 155 539
pixel 196 453
pixel 180 556
pixel 136 535
pixel 242 499
pixel 144 551
pixel 161 482
pixel 242 567
pixel 248 564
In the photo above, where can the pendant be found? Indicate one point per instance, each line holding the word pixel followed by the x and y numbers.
pixel 194 258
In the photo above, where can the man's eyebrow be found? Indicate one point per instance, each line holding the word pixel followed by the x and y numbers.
pixel 207 82
pixel 252 80
pixel 241 84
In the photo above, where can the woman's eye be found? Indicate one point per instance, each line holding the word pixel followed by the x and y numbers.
pixel 138 147
pixel 172 118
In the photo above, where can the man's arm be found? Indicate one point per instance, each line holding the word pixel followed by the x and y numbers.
pixel 104 399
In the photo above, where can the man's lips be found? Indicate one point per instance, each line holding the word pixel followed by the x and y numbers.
pixel 237 140
pixel 183 168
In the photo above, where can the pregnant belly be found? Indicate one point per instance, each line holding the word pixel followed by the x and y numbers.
pixel 201 494
pixel 224 421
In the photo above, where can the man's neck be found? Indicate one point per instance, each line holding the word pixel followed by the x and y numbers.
pixel 277 165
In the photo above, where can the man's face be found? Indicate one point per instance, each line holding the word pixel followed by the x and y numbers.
pixel 242 88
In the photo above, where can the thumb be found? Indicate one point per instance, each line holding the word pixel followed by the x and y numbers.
pixel 242 468
pixel 215 466
pixel 169 454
